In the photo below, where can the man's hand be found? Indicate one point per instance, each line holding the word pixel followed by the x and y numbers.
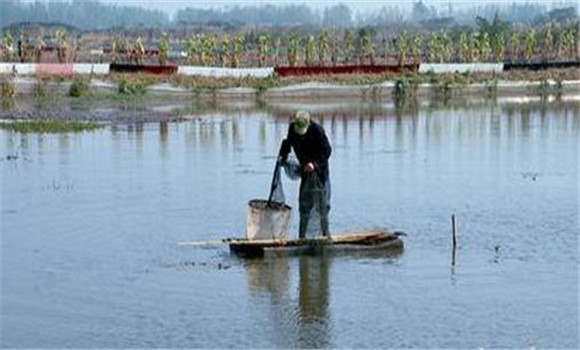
pixel 309 168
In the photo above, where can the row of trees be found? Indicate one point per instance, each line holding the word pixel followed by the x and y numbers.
pixel 492 42
pixel 97 15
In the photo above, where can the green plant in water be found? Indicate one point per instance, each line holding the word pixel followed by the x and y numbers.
pixel 491 88
pixel 8 93
pixel 50 126
pixel 132 87
pixel 79 86
pixel 445 89
pixel 544 89
pixel 40 88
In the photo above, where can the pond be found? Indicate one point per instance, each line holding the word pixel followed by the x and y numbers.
pixel 91 224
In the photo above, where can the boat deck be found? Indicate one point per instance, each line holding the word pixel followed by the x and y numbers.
pixel 369 240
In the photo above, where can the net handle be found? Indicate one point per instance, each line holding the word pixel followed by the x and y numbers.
pixel 273 185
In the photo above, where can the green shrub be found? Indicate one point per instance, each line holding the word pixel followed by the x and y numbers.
pixel 8 93
pixel 79 86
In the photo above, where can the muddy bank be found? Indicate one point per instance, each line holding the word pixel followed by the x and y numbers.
pixel 321 90
pixel 112 116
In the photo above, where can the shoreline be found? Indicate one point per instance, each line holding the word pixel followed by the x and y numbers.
pixel 316 89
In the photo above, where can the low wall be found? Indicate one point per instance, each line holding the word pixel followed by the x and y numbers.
pixel 53 68
pixel 218 72
pixel 460 67
pixel 99 69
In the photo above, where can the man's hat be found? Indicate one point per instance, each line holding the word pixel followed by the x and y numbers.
pixel 301 122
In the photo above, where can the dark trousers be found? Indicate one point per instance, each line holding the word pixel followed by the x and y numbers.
pixel 314 203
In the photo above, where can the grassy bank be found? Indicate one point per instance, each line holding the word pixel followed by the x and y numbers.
pixel 50 126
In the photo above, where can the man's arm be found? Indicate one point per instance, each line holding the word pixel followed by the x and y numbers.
pixel 286 146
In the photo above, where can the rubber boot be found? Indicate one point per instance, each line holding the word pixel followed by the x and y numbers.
pixel 304 218
pixel 324 224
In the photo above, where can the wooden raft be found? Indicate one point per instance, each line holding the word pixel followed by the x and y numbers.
pixel 370 240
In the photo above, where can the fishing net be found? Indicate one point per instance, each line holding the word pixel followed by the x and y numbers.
pixel 314 197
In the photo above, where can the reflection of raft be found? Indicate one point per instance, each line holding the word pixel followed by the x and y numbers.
pixel 370 240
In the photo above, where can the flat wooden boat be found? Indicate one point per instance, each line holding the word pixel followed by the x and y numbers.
pixel 369 240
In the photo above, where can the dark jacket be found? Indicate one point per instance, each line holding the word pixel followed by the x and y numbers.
pixel 310 147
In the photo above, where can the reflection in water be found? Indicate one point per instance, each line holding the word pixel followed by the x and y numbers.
pixel 313 302
pixel 163 133
pixel 300 320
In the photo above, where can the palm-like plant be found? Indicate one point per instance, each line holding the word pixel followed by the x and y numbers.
pixel 323 46
pixel 191 46
pixel 277 45
pixel 514 45
pixel 62 45
pixel 238 48
pixel 38 46
pixel 485 47
pixel 464 54
pixel 498 46
pixel 366 46
pixel 530 44
pixel 401 48
pixel 309 50
pixel 548 43
pixel 416 48
pixel 432 48
pixel 446 47
pixel 163 49
pixel 475 45
pixel 23 46
pixel 8 46
pixel 139 50
pixel 207 50
pixel 348 45
pixel 264 42
pixel 225 51
pixel 292 49
pixel 333 49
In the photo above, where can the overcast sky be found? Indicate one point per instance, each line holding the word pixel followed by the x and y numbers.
pixel 171 6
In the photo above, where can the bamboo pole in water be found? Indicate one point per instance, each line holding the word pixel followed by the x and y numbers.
pixel 454 233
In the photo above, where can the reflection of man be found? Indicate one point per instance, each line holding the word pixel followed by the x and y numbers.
pixel 312 149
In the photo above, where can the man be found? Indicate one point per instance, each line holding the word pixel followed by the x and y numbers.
pixel 312 149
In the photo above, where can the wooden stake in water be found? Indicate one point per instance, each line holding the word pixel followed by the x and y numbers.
pixel 454 232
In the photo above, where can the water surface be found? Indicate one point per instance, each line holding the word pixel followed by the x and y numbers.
pixel 90 225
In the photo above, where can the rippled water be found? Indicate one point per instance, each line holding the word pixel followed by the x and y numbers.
pixel 91 222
